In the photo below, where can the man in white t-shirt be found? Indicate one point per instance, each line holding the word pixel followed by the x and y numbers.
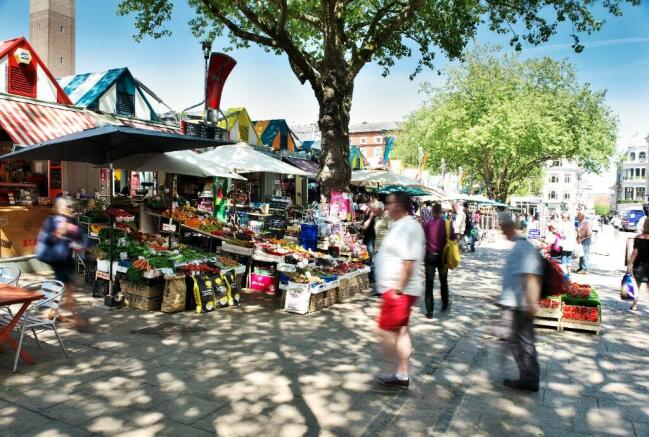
pixel 459 222
pixel 400 280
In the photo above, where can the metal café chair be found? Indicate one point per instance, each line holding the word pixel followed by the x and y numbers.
pixel 9 275
pixel 36 318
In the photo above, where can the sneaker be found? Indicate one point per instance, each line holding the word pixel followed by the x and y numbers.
pixel 391 380
pixel 577 271
pixel 429 315
pixel 520 385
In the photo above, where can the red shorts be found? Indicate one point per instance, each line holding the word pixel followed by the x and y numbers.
pixel 395 310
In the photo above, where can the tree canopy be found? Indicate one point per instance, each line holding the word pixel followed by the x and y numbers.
pixel 501 119
pixel 328 42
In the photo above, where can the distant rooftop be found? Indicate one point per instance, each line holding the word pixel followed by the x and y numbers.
pixel 375 126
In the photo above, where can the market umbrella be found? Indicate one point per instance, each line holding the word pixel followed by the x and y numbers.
pixel 242 158
pixel 101 145
pixel 175 162
pixel 413 191
pixel 384 178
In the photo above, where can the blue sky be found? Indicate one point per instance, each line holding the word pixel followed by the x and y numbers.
pixel 616 59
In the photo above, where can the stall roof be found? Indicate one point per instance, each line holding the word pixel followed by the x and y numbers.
pixel 305 165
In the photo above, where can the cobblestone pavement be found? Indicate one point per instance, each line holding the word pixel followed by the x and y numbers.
pixel 259 371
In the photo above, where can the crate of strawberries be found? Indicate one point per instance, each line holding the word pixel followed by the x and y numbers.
pixel 581 291
pixel 550 308
pixel 581 314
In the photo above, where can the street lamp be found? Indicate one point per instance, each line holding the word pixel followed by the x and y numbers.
pixel 206 46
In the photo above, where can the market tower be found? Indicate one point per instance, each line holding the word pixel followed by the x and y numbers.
pixel 52 34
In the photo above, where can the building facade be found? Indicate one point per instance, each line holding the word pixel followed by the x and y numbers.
pixel 52 34
pixel 631 187
pixel 561 185
pixel 371 137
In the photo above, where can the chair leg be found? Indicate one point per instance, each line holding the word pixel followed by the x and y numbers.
pixel 65 352
pixel 38 343
pixel 20 345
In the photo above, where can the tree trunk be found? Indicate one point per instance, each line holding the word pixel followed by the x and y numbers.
pixel 335 105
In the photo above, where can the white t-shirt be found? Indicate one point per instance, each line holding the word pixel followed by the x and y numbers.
pixel 641 225
pixel 404 242
pixel 569 240
pixel 459 224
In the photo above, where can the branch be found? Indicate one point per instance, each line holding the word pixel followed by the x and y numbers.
pixel 283 14
pixel 238 31
pixel 377 35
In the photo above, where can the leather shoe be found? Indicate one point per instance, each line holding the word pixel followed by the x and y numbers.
pixel 429 315
pixel 521 385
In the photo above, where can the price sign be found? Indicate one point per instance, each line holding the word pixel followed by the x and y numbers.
pixel 168 227
pixel 123 255
pixel 121 242
pixel 533 234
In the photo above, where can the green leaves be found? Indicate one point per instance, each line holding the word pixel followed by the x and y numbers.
pixel 501 119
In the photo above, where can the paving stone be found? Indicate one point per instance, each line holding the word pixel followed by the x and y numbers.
pixel 186 409
pixel 15 420
pixel 603 421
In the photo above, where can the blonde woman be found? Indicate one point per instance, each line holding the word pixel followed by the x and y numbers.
pixel 639 262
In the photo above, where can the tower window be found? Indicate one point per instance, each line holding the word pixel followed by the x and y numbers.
pixel 61 59
pixel 62 29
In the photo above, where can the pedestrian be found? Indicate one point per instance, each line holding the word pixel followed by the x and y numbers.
pixel 436 237
pixel 639 262
pixel 521 291
pixel 584 236
pixel 57 239
pixel 369 236
pixel 645 210
pixel 468 227
pixel 381 226
pixel 426 212
pixel 400 280
pixel 568 241
pixel 459 222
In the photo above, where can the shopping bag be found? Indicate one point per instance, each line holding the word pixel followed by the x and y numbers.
pixel 578 252
pixel 628 288
pixel 451 254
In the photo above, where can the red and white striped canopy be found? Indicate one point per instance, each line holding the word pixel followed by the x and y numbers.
pixel 31 123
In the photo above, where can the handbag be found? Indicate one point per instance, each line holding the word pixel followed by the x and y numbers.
pixel 556 247
pixel 51 249
pixel 578 252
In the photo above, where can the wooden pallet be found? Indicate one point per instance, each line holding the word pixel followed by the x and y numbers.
pixel 580 325
pixel 548 322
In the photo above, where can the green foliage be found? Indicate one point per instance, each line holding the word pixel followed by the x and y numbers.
pixel 501 119
pixel 602 209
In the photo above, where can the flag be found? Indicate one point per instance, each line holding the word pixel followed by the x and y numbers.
pixel 389 145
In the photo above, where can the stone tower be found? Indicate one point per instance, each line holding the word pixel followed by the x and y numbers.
pixel 52 34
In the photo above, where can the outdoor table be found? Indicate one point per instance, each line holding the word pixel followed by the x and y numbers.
pixel 11 295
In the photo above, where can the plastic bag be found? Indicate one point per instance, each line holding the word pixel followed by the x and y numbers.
pixel 628 288
pixel 578 252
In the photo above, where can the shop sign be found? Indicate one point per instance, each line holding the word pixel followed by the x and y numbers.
pixel 6 244
pixel 23 56
pixel 533 234
pixel 29 243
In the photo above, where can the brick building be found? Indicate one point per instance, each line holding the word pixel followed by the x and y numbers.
pixel 370 138
pixel 52 34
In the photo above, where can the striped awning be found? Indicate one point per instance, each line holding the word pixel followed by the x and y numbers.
pixel 31 123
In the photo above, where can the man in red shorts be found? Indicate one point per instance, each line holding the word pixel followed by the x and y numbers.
pixel 400 280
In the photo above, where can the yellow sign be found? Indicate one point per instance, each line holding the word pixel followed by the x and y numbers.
pixel 23 56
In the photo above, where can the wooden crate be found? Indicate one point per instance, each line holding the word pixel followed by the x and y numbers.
pixel 330 297
pixel 143 303
pixel 149 291
pixel 316 302
pixel 580 325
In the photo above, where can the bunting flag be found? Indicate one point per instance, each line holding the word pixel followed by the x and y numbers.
pixel 356 158
pixel 389 145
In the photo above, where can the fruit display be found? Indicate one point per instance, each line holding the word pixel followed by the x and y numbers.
pixel 549 304
pixel 581 313
pixel 181 214
pixel 579 290
pixel 226 261
pixel 120 215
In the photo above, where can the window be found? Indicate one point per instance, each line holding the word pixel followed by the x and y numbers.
pixel 38 27
pixel 566 196
pixel 125 104
pixel 642 156
pixel 642 172
pixel 632 156
pixel 554 179
pixel 556 163
pixel 62 29
pixel 552 195
pixel 567 179
pixel 378 140
pixel 61 60
pixel 637 172
pixel 639 193
pixel 363 140
pixel 628 193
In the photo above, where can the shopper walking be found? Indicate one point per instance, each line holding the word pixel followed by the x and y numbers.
pixel 426 212
pixel 436 236
pixel 521 291
pixel 459 221
pixel 400 280
pixel 369 236
pixel 584 236
pixel 57 239
pixel 381 228
pixel 639 262
pixel 568 240
pixel 468 227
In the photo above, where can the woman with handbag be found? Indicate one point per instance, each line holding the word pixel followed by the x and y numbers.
pixel 568 236
pixel 639 262
pixel 57 239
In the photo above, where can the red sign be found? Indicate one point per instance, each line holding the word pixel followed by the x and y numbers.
pixel 220 67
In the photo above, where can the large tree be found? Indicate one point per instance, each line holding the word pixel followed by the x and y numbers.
pixel 501 119
pixel 327 42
